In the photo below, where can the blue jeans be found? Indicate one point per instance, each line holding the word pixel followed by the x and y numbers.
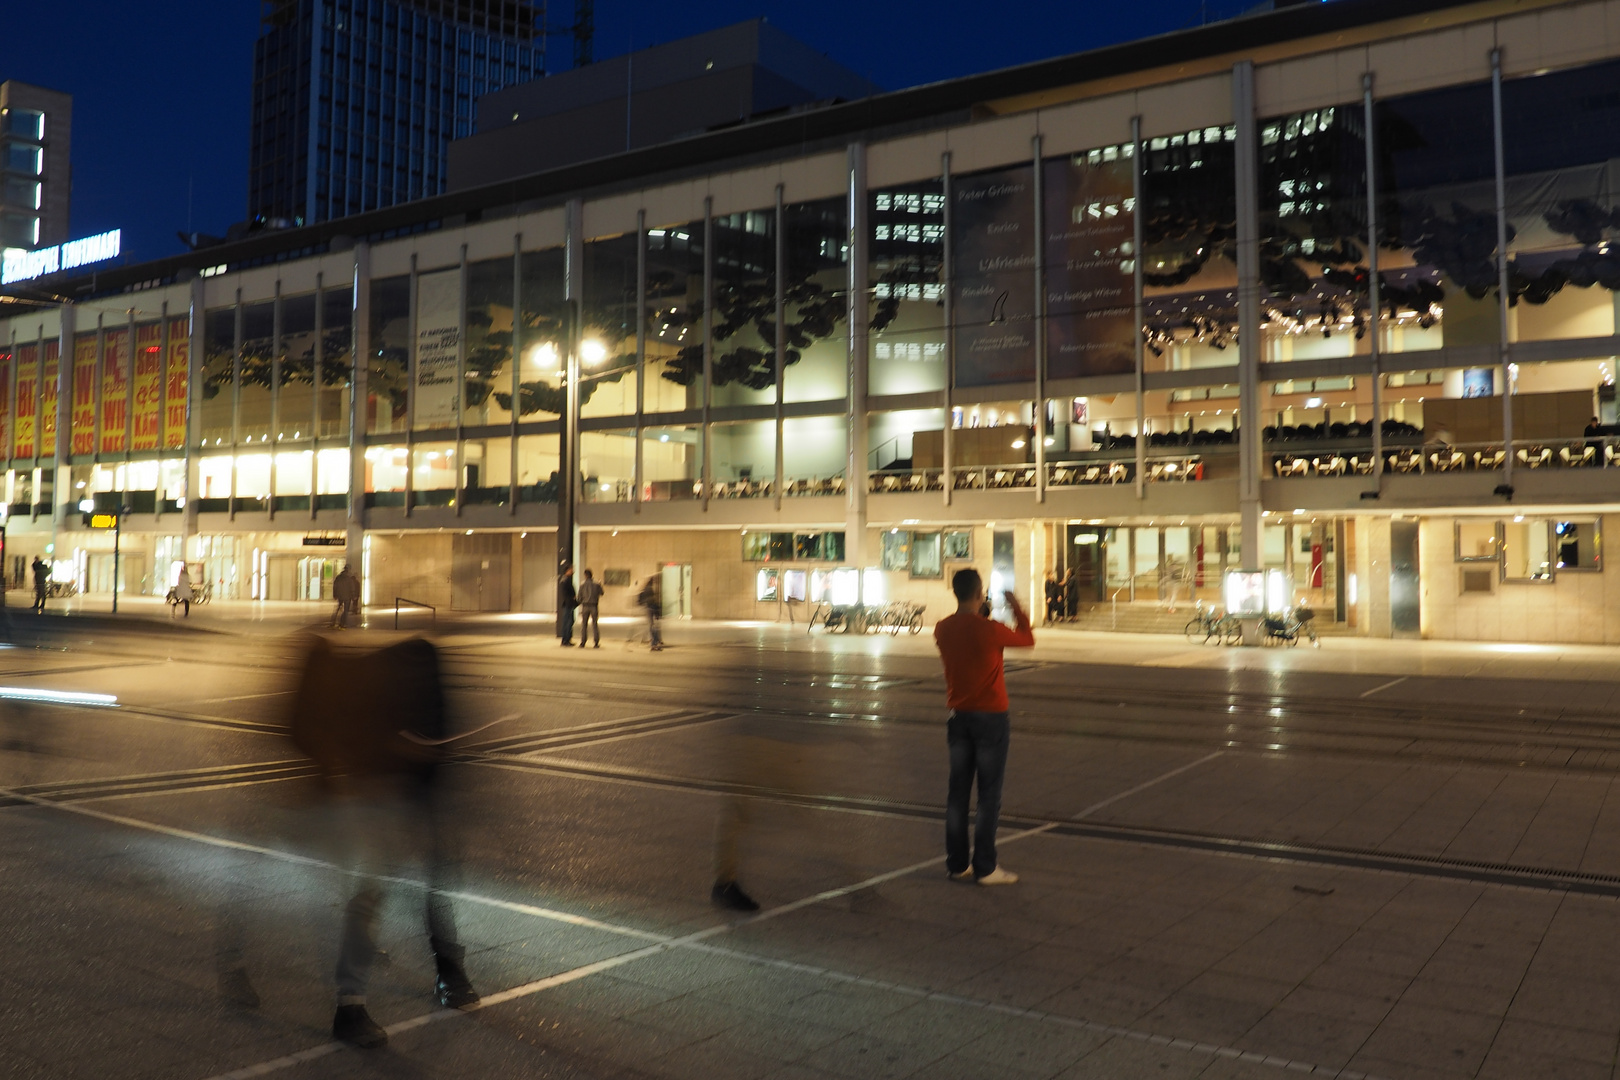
pixel 978 743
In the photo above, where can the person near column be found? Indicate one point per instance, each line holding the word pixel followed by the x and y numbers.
pixel 652 602
pixel 590 599
pixel 346 597
pixel 567 601
pixel 42 583
pixel 183 593
pixel 970 646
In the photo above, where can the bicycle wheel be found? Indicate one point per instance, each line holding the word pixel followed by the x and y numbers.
pixel 1198 629
pixel 916 623
pixel 1231 632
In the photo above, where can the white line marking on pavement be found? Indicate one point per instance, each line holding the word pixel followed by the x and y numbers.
pixel 1139 788
pixel 238 697
pixel 1385 686
pixel 662 943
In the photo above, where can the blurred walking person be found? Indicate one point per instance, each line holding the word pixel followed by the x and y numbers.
pixel 376 726
pixel 42 583
pixel 183 594
pixel 590 619
pixel 651 599
pixel 567 601
pixel 346 595
pixel 977 731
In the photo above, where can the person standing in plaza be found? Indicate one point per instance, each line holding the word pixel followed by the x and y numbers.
pixel 652 602
pixel 42 583
pixel 590 599
pixel 183 593
pixel 346 594
pixel 567 601
pixel 970 645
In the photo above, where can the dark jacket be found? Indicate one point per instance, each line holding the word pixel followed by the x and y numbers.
pixel 566 595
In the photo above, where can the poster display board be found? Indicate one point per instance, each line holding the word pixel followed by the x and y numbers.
pixel 82 415
pixel 147 386
pixel 1089 263
pixel 177 374
pixel 114 390
pixel 27 400
pixel 993 276
pixel 438 344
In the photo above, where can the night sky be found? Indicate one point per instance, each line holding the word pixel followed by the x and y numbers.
pixel 162 91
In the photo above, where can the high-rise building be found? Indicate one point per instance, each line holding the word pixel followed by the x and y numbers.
pixel 35 172
pixel 355 101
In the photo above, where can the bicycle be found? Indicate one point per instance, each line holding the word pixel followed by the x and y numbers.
pixel 1202 626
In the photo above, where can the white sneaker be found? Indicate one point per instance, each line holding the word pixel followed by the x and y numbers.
pixel 998 876
pixel 966 875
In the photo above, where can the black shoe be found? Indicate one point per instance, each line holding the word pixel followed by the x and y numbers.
pixel 726 894
pixel 453 989
pixel 353 1025
pixel 568 644
pixel 235 988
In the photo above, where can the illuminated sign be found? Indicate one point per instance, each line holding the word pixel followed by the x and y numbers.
pixel 103 521
pixel 18 264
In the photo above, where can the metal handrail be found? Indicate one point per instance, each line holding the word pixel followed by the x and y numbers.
pixel 398 600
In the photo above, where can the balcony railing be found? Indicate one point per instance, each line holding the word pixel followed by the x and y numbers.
pixel 1589 453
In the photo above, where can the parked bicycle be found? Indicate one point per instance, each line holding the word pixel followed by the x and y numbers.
pixel 1288 628
pixel 1209 627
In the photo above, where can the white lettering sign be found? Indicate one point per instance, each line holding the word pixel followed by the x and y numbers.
pixel 18 264
pixel 438 344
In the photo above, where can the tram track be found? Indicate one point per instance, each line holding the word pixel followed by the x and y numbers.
pixel 1474 871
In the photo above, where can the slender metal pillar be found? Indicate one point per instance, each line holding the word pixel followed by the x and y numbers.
pixel 413 312
pixel 705 448
pixel 275 394
pixel 62 486
pixel 781 344
pixel 360 335
pixel 517 372
pixel 568 476
pixel 317 362
pixel 1503 296
pixel 1374 298
pixel 1139 307
pixel 1038 428
pixel 236 399
pixel 1248 267
pixel 641 351
pixel 947 283
pixel 193 425
pixel 461 384
pixel 855 473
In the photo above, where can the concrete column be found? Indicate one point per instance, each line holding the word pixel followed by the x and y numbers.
pixel 62 486
pixel 947 435
pixel 1248 268
pixel 568 475
pixel 360 335
pixel 193 437
pixel 859 319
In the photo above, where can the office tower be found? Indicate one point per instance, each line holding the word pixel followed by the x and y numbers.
pixel 355 101
pixel 35 172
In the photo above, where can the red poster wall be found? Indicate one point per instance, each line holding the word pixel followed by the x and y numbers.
pixel 148 384
pixel 83 414
pixel 27 399
pixel 175 379
pixel 114 391
pixel 47 397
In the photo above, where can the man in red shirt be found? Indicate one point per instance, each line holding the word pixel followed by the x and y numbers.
pixel 970 645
